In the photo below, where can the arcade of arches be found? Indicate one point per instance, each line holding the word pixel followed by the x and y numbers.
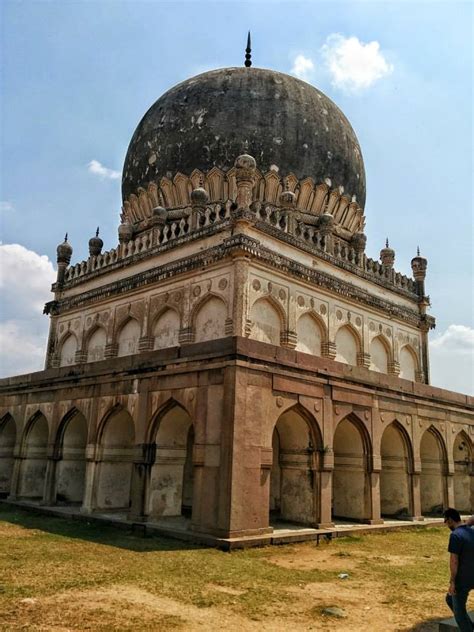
pixel 295 458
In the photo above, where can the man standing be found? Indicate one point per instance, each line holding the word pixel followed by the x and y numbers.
pixel 461 566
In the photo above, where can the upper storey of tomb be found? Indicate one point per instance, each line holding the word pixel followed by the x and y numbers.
pixel 202 124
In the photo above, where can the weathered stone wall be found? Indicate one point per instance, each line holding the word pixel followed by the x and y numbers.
pixel 273 429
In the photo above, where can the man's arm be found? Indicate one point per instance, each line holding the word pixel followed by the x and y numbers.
pixel 453 571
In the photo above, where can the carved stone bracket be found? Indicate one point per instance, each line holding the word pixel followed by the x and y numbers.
pixel 394 368
pixel 288 339
pixel 328 350
pixel 363 359
pixel 145 343
pixel 111 350
pixel 186 335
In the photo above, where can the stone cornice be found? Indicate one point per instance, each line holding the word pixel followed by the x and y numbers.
pixel 252 247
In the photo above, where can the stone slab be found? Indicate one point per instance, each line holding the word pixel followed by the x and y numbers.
pixel 449 625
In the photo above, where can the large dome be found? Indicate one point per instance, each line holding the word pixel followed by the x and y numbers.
pixel 210 119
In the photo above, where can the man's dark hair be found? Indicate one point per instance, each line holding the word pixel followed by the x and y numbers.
pixel 453 514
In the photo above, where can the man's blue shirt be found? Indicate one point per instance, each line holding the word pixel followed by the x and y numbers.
pixel 461 542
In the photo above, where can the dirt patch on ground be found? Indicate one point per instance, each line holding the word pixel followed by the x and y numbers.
pixel 314 558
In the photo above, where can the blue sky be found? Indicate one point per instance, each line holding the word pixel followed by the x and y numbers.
pixel 78 76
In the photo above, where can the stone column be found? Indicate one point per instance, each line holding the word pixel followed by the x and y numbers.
pixel 241 292
pixel 374 509
pixel 49 494
pixel 15 479
pixel 449 493
pixel 325 501
pixel 415 480
pixel 88 502
pixel 139 489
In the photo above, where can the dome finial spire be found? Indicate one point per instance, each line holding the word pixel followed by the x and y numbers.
pixel 248 52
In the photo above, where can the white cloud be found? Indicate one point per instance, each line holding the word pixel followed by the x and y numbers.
pixel 25 283
pixel 352 64
pixel 452 359
pixel 6 207
pixel 302 67
pixel 98 169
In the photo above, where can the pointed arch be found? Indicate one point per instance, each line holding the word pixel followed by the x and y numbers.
pixel 171 480
pixel 409 363
pixel 351 486
pixel 463 472
pixel 396 453
pixel 116 440
pixel 8 437
pixel 433 485
pixel 165 326
pixel 68 345
pixel 294 479
pixel 208 317
pixel 94 343
pixel 127 336
pixel 70 446
pixel 348 344
pixel 268 320
pixel 311 333
pixel 33 465
pixel 381 354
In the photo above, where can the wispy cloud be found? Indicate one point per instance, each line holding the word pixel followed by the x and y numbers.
pixel 352 64
pixel 302 67
pixel 6 207
pixel 452 359
pixel 98 169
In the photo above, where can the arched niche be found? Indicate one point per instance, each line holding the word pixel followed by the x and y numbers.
pixel 171 482
pixel 7 446
pixel 408 363
pixel 395 490
pixel 33 466
pixel 127 340
pixel 351 488
pixel 71 468
pixel 346 346
pixel 67 355
pixel 378 355
pixel 166 330
pixel 96 345
pixel 209 322
pixel 463 474
pixel 432 479
pixel 309 335
pixel 265 322
pixel 294 476
pixel 116 461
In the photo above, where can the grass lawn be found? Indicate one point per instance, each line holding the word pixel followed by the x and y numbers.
pixel 57 574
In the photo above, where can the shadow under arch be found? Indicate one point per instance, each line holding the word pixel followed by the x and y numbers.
pixel 307 340
pixel 433 484
pixel 70 452
pixel 126 336
pixel 8 436
pixel 463 473
pixel 171 476
pixel 208 317
pixel 94 342
pixel 34 450
pixel 347 350
pixel 265 327
pixel 67 351
pixel 396 450
pixel 116 449
pixel 294 480
pixel 164 327
pixel 380 364
pixel 351 492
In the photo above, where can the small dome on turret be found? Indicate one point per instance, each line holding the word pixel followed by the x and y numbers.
pixel 64 251
pixel 95 244
pixel 245 161
pixel 287 198
pixel 125 232
pixel 159 213
pixel 326 220
pixel 387 255
pixel 199 196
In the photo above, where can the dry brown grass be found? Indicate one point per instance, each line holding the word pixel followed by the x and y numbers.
pixel 62 575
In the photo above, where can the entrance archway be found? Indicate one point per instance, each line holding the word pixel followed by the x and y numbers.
pixel 7 446
pixel 294 478
pixel 463 475
pixel 433 469
pixel 395 490
pixel 116 462
pixel 33 465
pixel 171 479
pixel 71 468
pixel 351 485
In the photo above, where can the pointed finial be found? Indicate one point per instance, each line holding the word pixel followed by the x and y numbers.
pixel 65 237
pixel 248 53
pixel 97 232
pixel 418 251
pixel 386 243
